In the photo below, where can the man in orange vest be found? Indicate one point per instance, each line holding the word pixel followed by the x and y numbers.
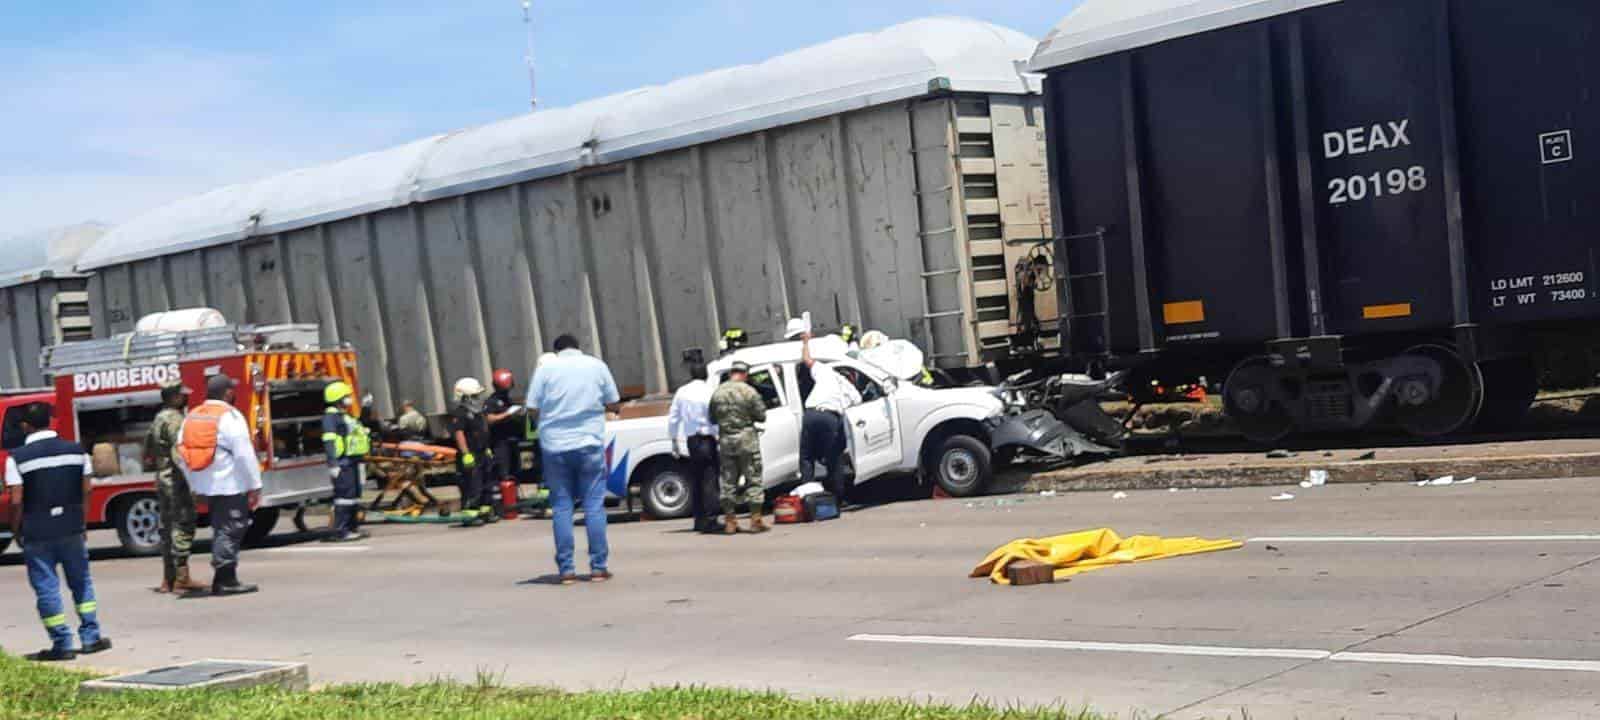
pixel 220 461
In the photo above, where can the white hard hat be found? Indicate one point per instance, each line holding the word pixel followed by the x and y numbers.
pixel 872 339
pixel 796 328
pixel 468 387
pixel 547 357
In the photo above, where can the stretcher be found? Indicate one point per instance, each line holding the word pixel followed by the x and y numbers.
pixel 405 468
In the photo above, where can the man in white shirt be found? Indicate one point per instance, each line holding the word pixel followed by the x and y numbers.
pixel 689 421
pixel 823 437
pixel 229 481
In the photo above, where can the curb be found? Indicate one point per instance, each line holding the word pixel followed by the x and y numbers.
pixel 1522 467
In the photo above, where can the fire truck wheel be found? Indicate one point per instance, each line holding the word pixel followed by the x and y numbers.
pixel 137 519
pixel 261 525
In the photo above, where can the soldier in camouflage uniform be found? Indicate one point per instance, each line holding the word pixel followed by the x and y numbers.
pixel 738 411
pixel 172 491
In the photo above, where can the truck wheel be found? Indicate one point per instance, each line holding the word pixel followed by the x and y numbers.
pixel 261 524
pixel 665 491
pixel 138 523
pixel 961 465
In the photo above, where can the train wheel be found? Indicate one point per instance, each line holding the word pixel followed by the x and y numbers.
pixel 1249 400
pixel 1509 388
pixel 1428 410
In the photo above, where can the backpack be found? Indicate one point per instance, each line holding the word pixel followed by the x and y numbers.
pixel 198 445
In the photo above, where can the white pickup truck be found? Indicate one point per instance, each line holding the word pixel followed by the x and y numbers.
pixel 898 428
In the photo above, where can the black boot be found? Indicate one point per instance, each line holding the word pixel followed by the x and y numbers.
pixel 227 582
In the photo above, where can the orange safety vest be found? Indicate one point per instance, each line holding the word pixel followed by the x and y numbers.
pixel 198 446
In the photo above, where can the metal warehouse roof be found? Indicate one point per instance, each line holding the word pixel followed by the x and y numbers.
pixel 853 72
pixel 1104 27
pixel 28 257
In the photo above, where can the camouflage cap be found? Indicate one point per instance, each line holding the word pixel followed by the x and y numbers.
pixel 739 366
pixel 174 386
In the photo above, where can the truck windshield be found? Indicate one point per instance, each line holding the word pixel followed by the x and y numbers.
pixel 12 437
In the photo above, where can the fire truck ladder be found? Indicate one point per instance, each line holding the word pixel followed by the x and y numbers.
pixel 138 348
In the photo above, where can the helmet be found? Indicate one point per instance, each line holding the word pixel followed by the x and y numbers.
pixel 796 328
pixel 733 339
pixel 504 380
pixel 336 391
pixel 848 332
pixel 468 387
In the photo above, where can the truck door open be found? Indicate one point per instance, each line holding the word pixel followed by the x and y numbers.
pixel 874 440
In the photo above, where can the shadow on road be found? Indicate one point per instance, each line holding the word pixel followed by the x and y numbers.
pixel 13 555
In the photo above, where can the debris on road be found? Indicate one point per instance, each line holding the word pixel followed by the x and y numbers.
pixel 1028 572
pixel 1087 550
pixel 1368 455
pixel 1279 455
pixel 1047 493
pixel 1119 495
pixel 1447 480
pixel 1315 478
pixel 1283 496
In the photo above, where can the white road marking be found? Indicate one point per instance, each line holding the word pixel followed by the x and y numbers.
pixel 323 549
pixel 1238 652
pixel 1143 648
pixel 1461 661
pixel 1426 539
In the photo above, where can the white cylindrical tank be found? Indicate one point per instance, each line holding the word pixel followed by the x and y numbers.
pixel 181 320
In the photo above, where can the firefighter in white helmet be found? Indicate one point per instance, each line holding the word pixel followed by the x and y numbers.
pixel 470 430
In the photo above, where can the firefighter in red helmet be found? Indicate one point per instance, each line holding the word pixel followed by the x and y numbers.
pixel 505 418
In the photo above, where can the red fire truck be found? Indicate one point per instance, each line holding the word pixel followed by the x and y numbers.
pixel 108 391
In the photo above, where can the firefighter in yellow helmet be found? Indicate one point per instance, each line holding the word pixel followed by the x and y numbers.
pixel 346 442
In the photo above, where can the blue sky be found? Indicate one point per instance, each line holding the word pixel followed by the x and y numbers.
pixel 114 108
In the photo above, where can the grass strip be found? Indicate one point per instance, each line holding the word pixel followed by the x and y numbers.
pixel 34 691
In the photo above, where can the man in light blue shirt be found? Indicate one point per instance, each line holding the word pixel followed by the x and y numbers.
pixel 569 396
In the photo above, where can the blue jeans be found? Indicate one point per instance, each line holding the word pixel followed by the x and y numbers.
pixel 578 474
pixel 72 555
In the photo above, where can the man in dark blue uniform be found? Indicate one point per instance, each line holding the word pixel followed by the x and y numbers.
pixel 48 479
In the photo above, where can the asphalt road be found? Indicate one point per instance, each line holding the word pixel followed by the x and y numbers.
pixel 878 605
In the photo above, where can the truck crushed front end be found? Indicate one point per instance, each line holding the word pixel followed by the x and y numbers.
pixel 1038 433
pixel 1056 417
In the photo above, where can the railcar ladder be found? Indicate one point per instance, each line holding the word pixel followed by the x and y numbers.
pixel 1098 275
pixel 149 348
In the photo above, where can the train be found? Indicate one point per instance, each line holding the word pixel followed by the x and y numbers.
pixel 44 300
pixel 894 180
pixel 1356 213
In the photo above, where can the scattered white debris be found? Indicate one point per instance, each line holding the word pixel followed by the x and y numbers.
pixel 810 488
pixel 1317 478
pixel 1438 481
pixel 1283 496
pixel 1469 480
pixel 1047 493
pixel 1172 489
pixel 1119 495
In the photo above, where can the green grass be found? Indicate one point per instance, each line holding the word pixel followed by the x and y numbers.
pixel 30 690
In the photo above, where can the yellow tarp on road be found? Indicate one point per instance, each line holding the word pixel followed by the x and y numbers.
pixel 1087 550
